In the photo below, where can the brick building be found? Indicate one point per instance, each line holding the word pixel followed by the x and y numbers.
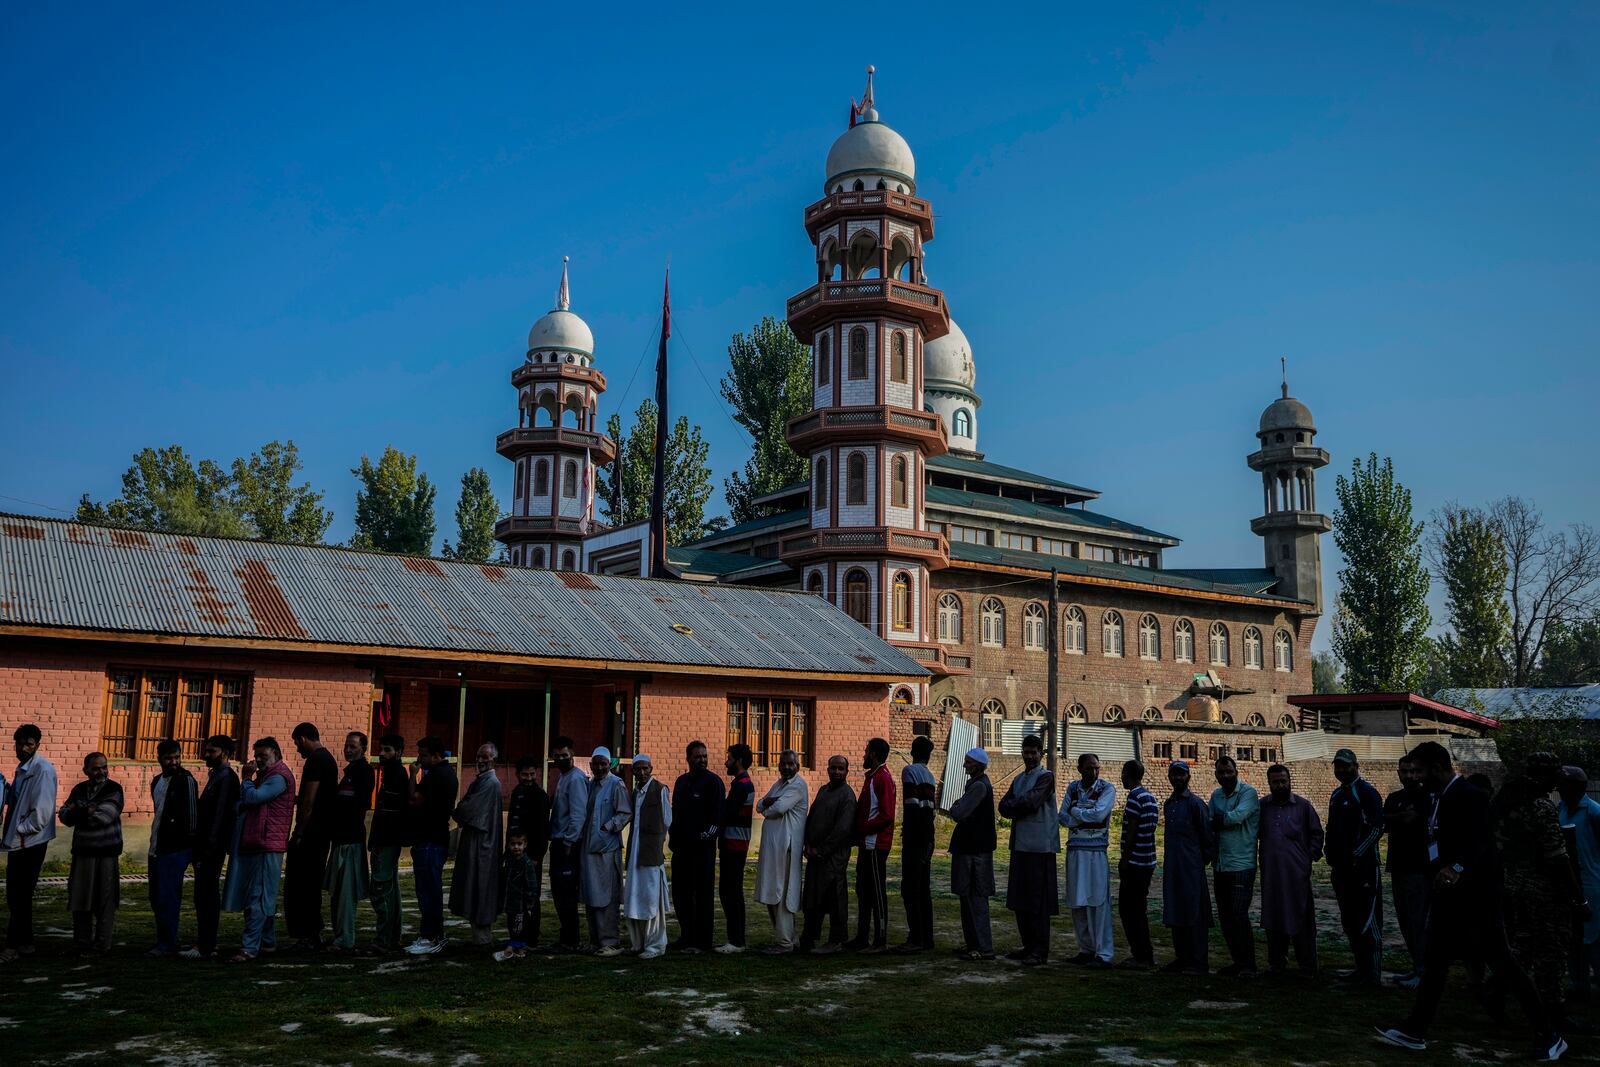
pixel 115 639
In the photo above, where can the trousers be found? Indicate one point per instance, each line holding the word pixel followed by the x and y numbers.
pixel 1469 927
pixel 1033 928
pixel 1361 914
pixel 384 892
pixel 730 886
pixel 976 928
pixel 1235 890
pixel 22 877
pixel 166 895
pixel 207 902
pixel 305 868
pixel 1305 950
pixel 782 924
pixel 1190 948
pixel 1133 903
pixel 916 887
pixel 1411 890
pixel 694 876
pixel 427 872
pixel 872 897
pixel 603 925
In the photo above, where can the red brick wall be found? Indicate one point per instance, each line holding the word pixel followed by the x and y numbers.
pixel 62 689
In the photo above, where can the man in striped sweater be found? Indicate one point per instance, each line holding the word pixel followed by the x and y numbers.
pixel 1137 866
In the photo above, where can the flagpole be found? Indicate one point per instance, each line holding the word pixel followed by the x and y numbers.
pixel 658 486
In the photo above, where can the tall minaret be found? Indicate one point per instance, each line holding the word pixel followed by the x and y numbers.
pixel 555 446
pixel 1291 527
pixel 867 436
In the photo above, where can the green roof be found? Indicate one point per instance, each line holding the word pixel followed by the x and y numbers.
pixel 1027 509
pixel 1040 561
pixel 1240 579
pixel 708 561
pixel 978 468
pixel 752 526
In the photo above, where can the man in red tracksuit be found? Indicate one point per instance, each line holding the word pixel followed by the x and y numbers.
pixel 875 832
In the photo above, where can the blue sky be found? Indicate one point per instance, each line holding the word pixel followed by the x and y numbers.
pixel 337 226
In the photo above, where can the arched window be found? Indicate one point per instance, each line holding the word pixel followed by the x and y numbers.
pixel 1033 627
pixel 902 601
pixel 993 615
pixel 1255 718
pixel 1287 723
pixel 855 489
pixel 1219 644
pixel 569 560
pixel 1074 630
pixel 819 495
pixel 522 477
pixel 1227 718
pixel 994 713
pixel 1183 641
pixel 1034 715
pixel 950 618
pixel 1181 715
pixel 1111 634
pixel 541 477
pixel 961 423
pixel 824 358
pixel 1149 637
pixel 901 494
pixel 1151 714
pixel 1077 713
pixel 857 600
pixel 1114 714
pixel 569 478
pixel 1252 648
pixel 1282 651
pixel 858 352
pixel 899 366
pixel 858 186
pixel 902 695
pixel 951 704
pixel 537 558
pixel 814 584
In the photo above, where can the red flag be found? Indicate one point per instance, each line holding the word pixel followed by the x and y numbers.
pixel 854 111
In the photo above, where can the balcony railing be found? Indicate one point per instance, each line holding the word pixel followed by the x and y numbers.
pixel 923 428
pixel 869 295
pixel 600 447
pixel 536 525
pixel 931 548
pixel 872 202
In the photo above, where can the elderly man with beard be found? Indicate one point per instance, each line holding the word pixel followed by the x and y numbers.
pixel 783 838
pixel 1190 845
pixel 644 902
pixel 972 846
pixel 830 833
pixel 475 888
pixel 94 811
pixel 1291 841
pixel 1031 892
pixel 608 812
pixel 1086 813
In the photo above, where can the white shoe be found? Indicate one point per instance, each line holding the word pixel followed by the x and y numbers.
pixel 424 947
pixel 652 954
pixel 505 954
pixel 607 951
pixel 730 950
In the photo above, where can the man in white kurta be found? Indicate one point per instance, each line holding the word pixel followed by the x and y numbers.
pixel 783 841
pixel 1086 813
pixel 644 897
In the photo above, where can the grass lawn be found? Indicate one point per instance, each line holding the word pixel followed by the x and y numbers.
pixel 460 1007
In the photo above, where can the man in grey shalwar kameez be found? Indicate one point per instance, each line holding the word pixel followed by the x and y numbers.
pixel 610 808
pixel 830 834
pixel 1185 896
pixel 475 886
pixel 972 846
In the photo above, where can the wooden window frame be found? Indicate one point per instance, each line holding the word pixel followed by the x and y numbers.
pixel 992 623
pixel 899 480
pixel 770 724
pixel 1113 634
pixel 898 363
pixel 855 484
pixel 541 477
pixel 857 368
pixel 1074 621
pixel 824 359
pixel 1149 637
pixel 1034 624
pixel 569 479
pixel 901 588
pixel 950 619
pixel 858 593
pixel 1254 652
pixel 137 741
pixel 821 480
pixel 1179 654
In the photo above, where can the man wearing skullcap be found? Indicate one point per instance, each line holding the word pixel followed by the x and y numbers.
pixel 645 899
pixel 1190 845
pixel 608 811
pixel 972 846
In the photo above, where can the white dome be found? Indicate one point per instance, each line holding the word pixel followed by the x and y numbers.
pixel 948 360
pixel 871 148
pixel 561 330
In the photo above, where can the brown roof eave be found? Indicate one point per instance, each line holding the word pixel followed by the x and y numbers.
pixel 1302 606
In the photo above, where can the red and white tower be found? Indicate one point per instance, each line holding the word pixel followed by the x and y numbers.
pixel 555 446
pixel 868 436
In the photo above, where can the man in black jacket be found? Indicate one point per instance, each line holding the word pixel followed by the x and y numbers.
pixel 697 798
pixel 219 810
pixel 172 832
pixel 391 815
pixel 1465 916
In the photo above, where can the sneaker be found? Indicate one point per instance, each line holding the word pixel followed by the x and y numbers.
pixel 608 951
pixel 832 948
pixel 1551 1049
pixel 194 953
pixel 730 949
pixel 424 947
pixel 777 950
pixel 1398 1037
pixel 505 954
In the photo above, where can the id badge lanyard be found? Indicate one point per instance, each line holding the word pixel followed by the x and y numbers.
pixel 1433 822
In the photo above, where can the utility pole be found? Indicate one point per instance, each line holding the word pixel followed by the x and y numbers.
pixel 1051 743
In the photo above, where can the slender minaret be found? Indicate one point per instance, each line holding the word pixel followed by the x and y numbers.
pixel 1291 527
pixel 868 436
pixel 555 446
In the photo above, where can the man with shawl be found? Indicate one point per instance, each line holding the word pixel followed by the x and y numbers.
pixel 783 838
pixel 1186 899
pixel 607 812
pixel 1032 892
pixel 972 845
pixel 475 888
pixel 94 811
pixel 1086 813
pixel 644 901
pixel 830 834
pixel 1291 841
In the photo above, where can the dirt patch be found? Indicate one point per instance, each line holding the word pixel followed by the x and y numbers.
pixel 355 1018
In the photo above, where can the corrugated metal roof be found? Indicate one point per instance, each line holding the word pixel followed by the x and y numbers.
pixel 68 575
pixel 1561 702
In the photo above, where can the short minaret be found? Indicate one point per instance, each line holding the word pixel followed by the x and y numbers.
pixel 555 446
pixel 1291 527
pixel 867 436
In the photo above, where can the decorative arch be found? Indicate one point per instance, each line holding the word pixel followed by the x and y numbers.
pixel 1033 626
pixel 1111 633
pixel 992 616
pixel 1255 718
pixel 814 584
pixel 901 258
pixel 902 695
pixel 1077 713
pixel 569 479
pixel 1252 648
pixel 861 256
pixel 1151 714
pixel 1149 637
pixel 902 601
pixel 899 362
pixel 858 353
pixel 1218 640
pixel 1282 651
pixel 569 560
pixel 541 477
pixel 1183 641
pixel 858 596
pixel 536 558
pixel 961 423
pixel 824 358
pixel 1074 630
pixel 829 260
pixel 899 483
pixel 994 713
pixel 950 618
pixel 855 491
pixel 819 492
pixel 951 704
pixel 1288 724
pixel 1114 714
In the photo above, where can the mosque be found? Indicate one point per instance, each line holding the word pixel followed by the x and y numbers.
pixel 906 524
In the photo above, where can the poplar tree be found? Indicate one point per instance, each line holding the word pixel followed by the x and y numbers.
pixel 767 384
pixel 477 511
pixel 1469 556
pixel 688 470
pixel 394 506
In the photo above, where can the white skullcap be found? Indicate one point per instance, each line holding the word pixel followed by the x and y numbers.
pixel 601 751
pixel 642 758
pixel 978 755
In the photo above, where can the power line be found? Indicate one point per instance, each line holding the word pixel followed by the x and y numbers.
pixel 38 504
pixel 715 393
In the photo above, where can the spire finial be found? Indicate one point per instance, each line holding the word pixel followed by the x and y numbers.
pixel 869 110
pixel 1283 365
pixel 564 295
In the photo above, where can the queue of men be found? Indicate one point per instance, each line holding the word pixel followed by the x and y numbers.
pixel 1499 884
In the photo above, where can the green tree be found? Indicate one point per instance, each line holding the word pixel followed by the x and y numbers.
pixel 688 487
pixel 1571 654
pixel 265 494
pixel 1469 556
pixel 476 513
pixel 1380 631
pixel 1325 674
pixel 768 383
pixel 166 490
pixel 394 506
